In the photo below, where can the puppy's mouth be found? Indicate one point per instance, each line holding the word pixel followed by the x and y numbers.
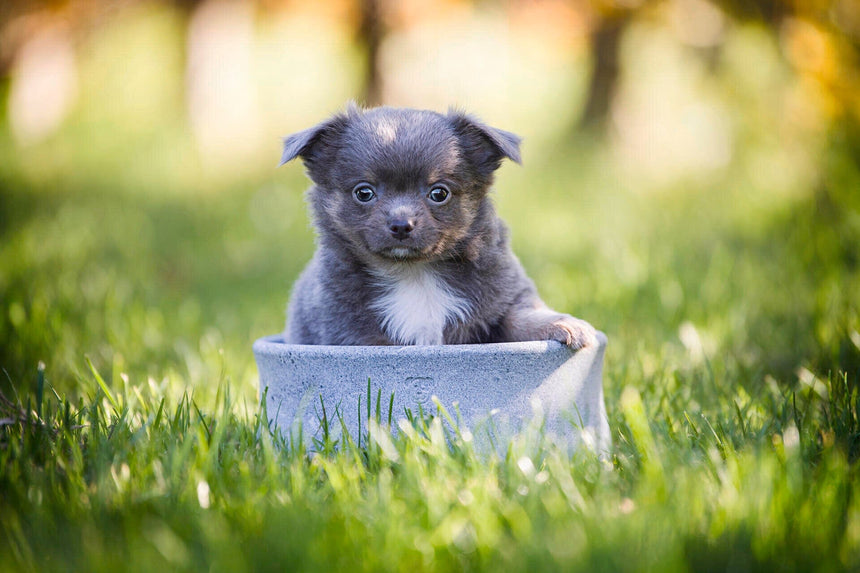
pixel 401 253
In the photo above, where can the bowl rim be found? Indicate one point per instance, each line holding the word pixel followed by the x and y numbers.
pixel 274 345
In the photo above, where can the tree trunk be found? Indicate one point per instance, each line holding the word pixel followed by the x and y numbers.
pixel 605 52
pixel 370 37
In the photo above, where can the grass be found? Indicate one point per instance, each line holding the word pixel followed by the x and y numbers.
pixel 132 480
pixel 140 443
pixel 131 435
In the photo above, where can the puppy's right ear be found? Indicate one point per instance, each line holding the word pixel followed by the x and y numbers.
pixel 308 144
pixel 297 143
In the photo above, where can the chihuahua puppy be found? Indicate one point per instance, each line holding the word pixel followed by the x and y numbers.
pixel 409 249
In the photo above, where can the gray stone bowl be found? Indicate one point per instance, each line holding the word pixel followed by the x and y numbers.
pixel 498 389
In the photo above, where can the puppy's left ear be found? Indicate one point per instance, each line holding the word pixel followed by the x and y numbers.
pixel 486 146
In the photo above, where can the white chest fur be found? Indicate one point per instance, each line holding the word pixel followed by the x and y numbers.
pixel 416 304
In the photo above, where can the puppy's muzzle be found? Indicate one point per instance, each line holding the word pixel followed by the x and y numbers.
pixel 400 228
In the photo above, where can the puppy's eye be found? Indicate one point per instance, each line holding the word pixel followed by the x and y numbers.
pixel 363 193
pixel 438 194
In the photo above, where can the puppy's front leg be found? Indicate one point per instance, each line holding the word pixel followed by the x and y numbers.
pixel 531 319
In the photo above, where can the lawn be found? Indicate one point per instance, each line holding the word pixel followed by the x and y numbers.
pixel 131 435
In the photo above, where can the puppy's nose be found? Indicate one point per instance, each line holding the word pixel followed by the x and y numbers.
pixel 400 228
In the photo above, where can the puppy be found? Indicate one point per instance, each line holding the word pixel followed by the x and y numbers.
pixel 410 250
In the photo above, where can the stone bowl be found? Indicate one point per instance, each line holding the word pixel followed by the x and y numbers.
pixel 498 389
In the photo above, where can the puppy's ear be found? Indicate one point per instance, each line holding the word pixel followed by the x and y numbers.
pixel 299 143
pixel 484 145
pixel 309 143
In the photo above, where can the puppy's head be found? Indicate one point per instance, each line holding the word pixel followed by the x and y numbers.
pixel 400 184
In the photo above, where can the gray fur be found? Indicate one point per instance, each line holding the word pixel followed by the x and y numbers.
pixel 458 249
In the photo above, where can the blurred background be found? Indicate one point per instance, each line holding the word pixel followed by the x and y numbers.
pixel 690 181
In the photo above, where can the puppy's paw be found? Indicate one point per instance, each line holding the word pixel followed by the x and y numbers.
pixel 573 332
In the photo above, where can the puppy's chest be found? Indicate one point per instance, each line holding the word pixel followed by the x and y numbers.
pixel 415 304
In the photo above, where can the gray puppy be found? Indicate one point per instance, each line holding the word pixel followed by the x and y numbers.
pixel 410 250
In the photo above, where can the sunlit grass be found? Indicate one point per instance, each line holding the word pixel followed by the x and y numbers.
pixel 731 384
pixel 129 478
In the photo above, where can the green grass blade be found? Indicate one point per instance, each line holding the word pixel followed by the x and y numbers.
pixel 102 384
